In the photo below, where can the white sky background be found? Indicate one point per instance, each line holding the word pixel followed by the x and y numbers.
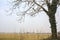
pixel 39 23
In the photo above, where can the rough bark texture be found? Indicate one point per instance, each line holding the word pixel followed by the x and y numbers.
pixel 53 27
pixel 52 21
pixel 51 13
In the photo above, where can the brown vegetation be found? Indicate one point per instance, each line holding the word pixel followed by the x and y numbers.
pixel 24 36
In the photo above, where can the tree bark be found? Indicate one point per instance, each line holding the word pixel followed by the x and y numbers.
pixel 51 13
pixel 53 26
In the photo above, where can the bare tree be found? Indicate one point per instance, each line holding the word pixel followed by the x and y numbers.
pixel 33 7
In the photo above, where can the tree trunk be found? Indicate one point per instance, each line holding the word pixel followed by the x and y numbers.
pixel 53 26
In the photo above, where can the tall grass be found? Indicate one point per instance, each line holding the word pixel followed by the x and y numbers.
pixel 24 36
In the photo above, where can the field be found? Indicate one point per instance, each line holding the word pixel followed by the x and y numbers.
pixel 31 36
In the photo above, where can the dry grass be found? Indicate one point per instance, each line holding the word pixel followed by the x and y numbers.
pixel 24 36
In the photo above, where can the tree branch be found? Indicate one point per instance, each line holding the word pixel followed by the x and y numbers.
pixel 41 7
pixel 29 8
pixel 47 2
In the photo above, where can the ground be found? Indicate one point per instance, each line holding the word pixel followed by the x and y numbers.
pixel 24 36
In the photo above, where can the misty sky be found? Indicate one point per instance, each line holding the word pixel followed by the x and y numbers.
pixel 39 23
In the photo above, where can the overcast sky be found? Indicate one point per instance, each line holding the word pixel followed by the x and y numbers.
pixel 39 23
